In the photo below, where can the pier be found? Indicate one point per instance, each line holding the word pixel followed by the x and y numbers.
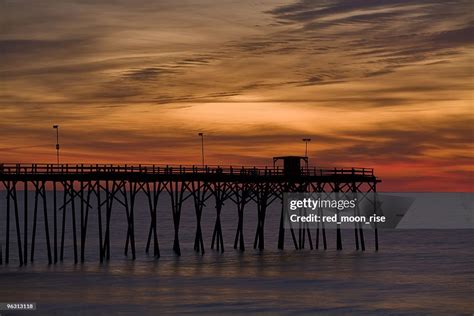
pixel 115 187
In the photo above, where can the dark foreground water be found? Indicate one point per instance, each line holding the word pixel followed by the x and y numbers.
pixel 414 273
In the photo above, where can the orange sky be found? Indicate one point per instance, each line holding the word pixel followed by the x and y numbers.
pixel 383 84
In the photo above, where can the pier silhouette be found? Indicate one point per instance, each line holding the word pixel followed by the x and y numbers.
pixel 113 185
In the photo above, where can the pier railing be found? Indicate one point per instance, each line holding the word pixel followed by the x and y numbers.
pixel 24 168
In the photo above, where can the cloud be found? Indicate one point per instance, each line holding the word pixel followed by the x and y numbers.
pixel 124 75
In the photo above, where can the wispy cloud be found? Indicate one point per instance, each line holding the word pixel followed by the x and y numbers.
pixel 374 82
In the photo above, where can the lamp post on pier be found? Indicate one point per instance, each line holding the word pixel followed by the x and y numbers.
pixel 56 127
pixel 202 147
pixel 306 141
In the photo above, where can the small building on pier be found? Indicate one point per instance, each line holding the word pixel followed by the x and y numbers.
pixel 291 164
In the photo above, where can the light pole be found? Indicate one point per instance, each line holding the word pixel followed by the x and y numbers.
pixel 202 148
pixel 56 127
pixel 306 141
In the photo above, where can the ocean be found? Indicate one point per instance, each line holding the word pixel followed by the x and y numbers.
pixel 415 272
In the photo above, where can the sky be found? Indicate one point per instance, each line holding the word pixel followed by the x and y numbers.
pixel 381 84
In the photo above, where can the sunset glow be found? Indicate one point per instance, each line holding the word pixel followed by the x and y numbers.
pixel 381 84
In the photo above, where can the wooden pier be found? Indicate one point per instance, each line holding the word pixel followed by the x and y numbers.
pixel 116 186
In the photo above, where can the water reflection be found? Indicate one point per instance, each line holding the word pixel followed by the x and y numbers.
pixel 415 272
